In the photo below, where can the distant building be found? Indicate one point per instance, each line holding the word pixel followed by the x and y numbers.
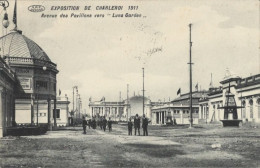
pixel 179 109
pixel 247 95
pixel 121 110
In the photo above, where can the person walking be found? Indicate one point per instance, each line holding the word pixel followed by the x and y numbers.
pixel 84 124
pixel 145 126
pixel 109 123
pixel 89 123
pixel 101 122
pixel 130 127
pixel 104 123
pixel 94 123
pixel 137 124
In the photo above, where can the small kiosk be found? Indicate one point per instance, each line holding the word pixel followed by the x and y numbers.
pixel 230 111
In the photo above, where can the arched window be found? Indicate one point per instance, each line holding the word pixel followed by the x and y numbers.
pixel 251 108
pixel 244 108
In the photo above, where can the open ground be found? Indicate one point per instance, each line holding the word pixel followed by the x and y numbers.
pixel 179 146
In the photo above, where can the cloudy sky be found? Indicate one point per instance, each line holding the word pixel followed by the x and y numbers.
pixel 102 55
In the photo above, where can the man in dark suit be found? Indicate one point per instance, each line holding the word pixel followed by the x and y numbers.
pixel 145 126
pixel 104 123
pixel 84 124
pixel 137 124
pixel 130 127
pixel 109 124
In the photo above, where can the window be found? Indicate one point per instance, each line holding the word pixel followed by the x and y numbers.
pixel 41 84
pixel 174 111
pixel 251 108
pixel 178 111
pixel 54 87
pixel 183 111
pixel 244 109
pixel 44 114
pixel 57 113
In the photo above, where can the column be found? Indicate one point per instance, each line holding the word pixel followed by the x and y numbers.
pixel 55 114
pixel 13 111
pixel 200 112
pixel 160 117
pixel 116 113
pixel 32 109
pixel 49 114
pixel 92 111
pixel 2 127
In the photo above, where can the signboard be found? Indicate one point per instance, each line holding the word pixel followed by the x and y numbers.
pixel 25 83
pixel 23 71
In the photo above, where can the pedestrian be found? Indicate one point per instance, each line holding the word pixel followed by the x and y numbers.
pixel 94 123
pixel 89 123
pixel 101 122
pixel 145 126
pixel 137 124
pixel 174 121
pixel 109 123
pixel 130 127
pixel 84 124
pixel 104 123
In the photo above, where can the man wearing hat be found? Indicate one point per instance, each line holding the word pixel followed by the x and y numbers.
pixel 137 124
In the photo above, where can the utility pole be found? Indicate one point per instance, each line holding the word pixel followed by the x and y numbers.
pixel 127 102
pixel 191 119
pixel 143 91
pixel 74 87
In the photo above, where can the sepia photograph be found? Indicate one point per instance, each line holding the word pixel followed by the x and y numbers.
pixel 129 83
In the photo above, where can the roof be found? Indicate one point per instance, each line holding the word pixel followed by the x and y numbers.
pixel 15 44
pixel 195 95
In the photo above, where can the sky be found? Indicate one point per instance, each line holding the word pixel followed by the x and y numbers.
pixel 102 55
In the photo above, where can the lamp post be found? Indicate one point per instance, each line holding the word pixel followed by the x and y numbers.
pixel 5 4
pixel 74 87
pixel 143 91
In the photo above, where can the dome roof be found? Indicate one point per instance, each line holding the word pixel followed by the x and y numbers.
pixel 15 44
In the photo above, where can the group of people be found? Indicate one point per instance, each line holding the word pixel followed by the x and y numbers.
pixel 102 122
pixel 137 123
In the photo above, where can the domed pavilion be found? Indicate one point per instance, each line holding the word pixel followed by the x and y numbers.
pixel 35 74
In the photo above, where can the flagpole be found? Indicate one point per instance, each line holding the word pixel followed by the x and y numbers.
pixel 191 119
pixel 15 15
pixel 143 91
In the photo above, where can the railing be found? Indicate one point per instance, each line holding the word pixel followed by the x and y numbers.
pixel 33 61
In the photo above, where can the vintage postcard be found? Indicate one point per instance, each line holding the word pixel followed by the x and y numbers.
pixel 129 83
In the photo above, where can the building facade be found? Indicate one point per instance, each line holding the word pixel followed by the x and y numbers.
pixel 28 78
pixel 178 109
pixel 7 85
pixel 247 96
pixel 41 112
pixel 121 110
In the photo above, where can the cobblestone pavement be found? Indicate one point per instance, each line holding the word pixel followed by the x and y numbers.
pixel 205 146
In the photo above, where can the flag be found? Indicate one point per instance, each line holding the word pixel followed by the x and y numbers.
pixel 15 15
pixel 196 87
pixel 179 91
pixel 59 92
pixel 103 99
